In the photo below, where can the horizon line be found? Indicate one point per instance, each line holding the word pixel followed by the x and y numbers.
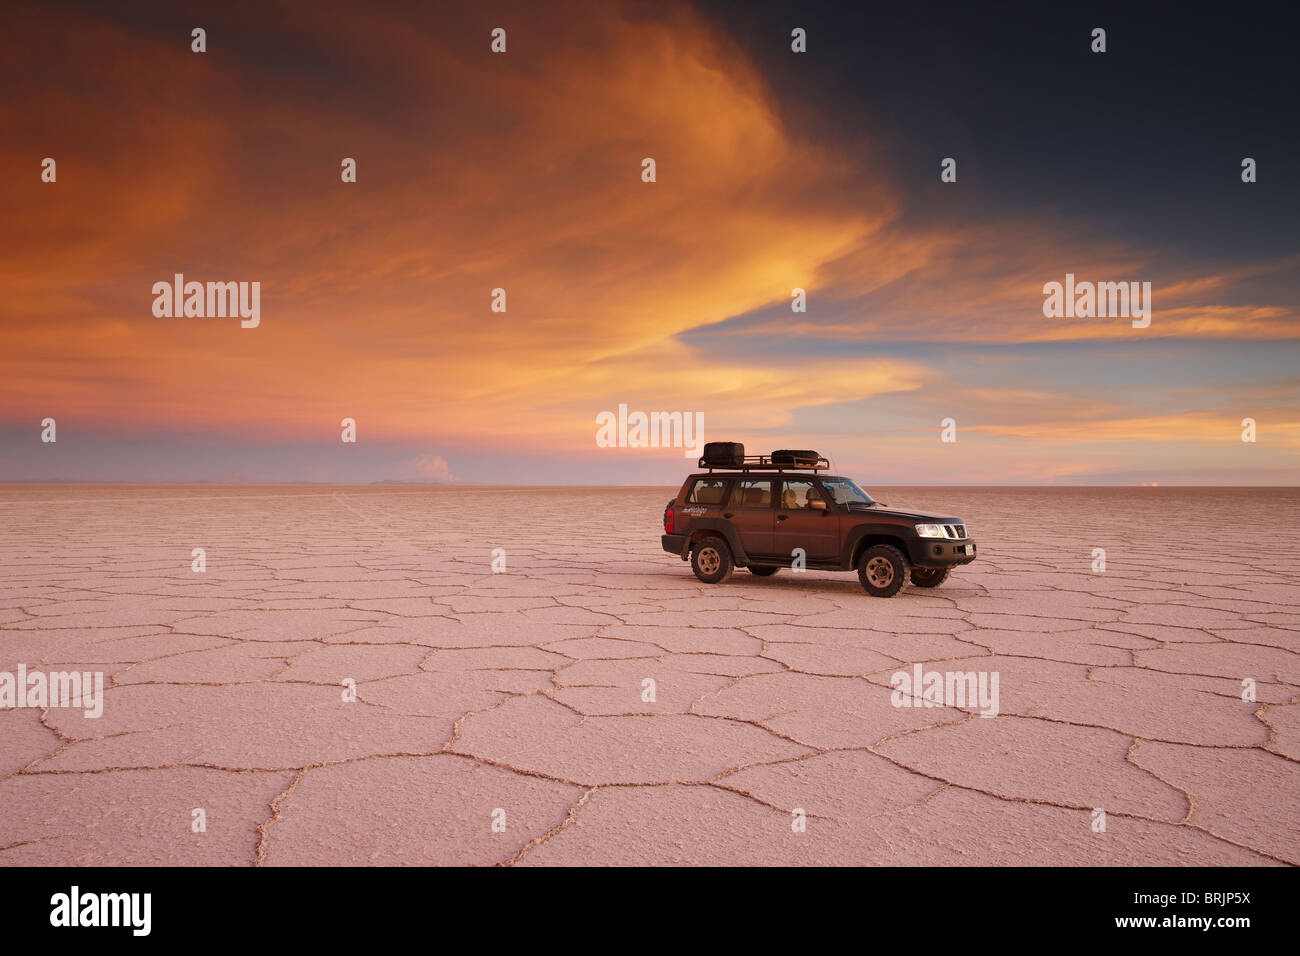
pixel 608 484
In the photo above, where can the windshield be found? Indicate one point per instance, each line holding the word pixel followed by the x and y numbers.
pixel 846 492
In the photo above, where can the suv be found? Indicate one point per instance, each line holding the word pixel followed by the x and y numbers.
pixel 757 512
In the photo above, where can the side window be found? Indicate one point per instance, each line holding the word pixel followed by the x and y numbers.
pixel 797 494
pixel 752 493
pixel 707 491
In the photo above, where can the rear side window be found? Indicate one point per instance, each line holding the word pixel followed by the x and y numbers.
pixel 707 491
pixel 753 493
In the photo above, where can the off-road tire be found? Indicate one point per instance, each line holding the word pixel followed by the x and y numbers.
pixel 711 560
pixel 882 569
pixel 764 570
pixel 929 577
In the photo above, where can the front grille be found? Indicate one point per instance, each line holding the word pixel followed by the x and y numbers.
pixel 954 530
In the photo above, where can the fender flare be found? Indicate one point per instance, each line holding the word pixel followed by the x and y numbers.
pixel 903 533
pixel 723 527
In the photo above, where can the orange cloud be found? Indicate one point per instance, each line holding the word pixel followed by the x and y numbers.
pixel 523 175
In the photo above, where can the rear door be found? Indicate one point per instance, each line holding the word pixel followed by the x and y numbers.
pixel 799 525
pixel 749 509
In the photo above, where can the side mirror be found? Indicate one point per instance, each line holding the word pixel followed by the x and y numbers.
pixel 817 505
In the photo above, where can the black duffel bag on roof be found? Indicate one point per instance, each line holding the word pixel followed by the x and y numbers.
pixel 724 454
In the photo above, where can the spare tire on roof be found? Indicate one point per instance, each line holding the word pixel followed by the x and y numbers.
pixel 787 456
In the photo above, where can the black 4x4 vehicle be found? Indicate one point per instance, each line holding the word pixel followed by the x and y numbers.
pixel 759 511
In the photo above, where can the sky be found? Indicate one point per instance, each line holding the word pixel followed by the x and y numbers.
pixel 523 171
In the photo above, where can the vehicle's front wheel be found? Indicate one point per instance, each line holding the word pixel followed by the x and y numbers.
pixel 711 560
pixel 763 570
pixel 929 577
pixel 882 569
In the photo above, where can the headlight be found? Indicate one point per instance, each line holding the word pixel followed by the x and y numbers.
pixel 930 530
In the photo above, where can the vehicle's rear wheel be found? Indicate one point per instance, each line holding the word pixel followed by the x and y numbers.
pixel 711 560
pixel 929 577
pixel 763 570
pixel 882 569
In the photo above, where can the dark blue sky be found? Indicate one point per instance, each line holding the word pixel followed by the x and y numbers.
pixel 1146 138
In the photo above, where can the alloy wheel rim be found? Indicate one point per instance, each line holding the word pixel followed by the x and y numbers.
pixel 710 561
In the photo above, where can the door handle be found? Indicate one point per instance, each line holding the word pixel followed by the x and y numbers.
pixel 781 517
pixel 727 515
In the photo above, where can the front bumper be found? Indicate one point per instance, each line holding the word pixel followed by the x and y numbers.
pixel 941 553
pixel 674 543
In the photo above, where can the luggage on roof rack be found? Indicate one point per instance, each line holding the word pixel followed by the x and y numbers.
pixel 801 458
pixel 727 454
pixel 723 454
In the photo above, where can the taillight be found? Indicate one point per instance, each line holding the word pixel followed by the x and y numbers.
pixel 668 520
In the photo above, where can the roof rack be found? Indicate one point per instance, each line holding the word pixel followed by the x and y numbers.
pixel 764 463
